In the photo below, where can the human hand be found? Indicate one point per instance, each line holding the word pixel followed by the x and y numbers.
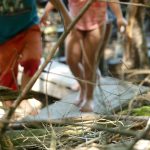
pixel 121 23
pixel 44 20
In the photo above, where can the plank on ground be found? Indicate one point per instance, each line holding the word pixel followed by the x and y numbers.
pixel 111 95
pixel 56 80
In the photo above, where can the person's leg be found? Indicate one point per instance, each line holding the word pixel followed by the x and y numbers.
pixel 74 59
pixel 30 59
pixel 31 53
pixel 92 43
pixel 8 67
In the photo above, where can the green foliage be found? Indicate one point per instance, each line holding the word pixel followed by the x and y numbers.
pixel 142 111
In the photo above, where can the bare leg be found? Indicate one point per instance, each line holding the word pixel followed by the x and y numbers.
pixel 92 42
pixel 74 55
pixel 33 46
pixel 25 104
pixel 7 104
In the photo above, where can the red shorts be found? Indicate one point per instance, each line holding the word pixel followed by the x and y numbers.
pixel 24 49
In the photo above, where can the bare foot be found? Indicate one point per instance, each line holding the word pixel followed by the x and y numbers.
pixel 78 103
pixel 30 107
pixel 87 106
pixel 76 87
pixel 79 99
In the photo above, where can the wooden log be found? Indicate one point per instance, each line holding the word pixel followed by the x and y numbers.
pixel 135 54
pixel 72 120
pixel 8 94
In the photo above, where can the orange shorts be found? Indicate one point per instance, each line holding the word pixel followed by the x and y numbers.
pixel 24 49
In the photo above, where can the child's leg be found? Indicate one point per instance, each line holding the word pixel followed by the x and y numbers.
pixel 30 59
pixel 8 67
pixel 92 43
pixel 31 53
pixel 24 48
pixel 74 59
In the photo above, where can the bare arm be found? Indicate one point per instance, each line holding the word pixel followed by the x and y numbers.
pixel 60 6
pixel 115 6
pixel 49 7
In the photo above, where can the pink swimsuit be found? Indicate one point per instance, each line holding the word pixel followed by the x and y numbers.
pixel 93 17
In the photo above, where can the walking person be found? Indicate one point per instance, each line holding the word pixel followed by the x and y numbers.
pixel 20 43
pixel 83 45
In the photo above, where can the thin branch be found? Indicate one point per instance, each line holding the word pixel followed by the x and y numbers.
pixel 140 136
pixel 85 117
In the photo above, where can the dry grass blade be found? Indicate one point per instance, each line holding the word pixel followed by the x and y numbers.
pixel 76 135
pixel 53 139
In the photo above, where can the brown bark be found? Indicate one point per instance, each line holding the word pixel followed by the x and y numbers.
pixel 135 54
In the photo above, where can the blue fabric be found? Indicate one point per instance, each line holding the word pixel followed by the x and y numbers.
pixel 16 16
